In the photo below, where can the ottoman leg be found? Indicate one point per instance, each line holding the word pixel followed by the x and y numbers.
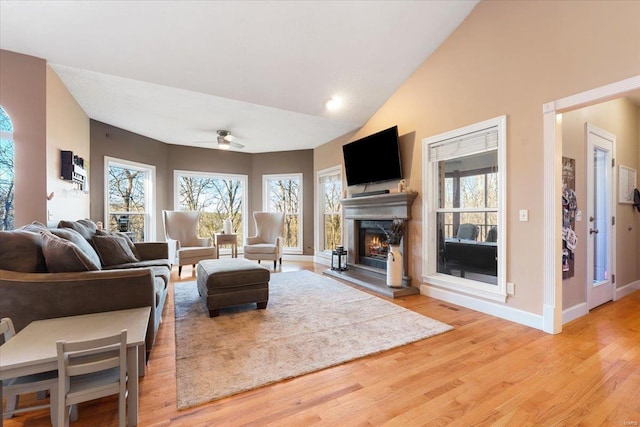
pixel 214 312
pixel 262 305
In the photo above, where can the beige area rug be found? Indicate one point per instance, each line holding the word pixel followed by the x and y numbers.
pixel 311 322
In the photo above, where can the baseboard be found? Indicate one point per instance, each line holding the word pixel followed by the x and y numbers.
pixel 322 260
pixel 574 312
pixel 628 289
pixel 508 313
pixel 294 257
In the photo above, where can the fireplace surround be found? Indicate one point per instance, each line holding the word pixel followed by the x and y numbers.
pixel 365 218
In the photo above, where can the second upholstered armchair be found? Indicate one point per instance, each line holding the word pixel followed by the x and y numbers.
pixel 267 243
pixel 185 246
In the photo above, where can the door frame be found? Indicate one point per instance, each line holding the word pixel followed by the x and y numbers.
pixel 552 185
pixel 591 129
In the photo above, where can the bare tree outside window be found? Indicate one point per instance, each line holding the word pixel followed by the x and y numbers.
pixel 217 199
pixel 126 188
pixel 7 173
pixel 332 217
pixel 284 196
pixel 283 193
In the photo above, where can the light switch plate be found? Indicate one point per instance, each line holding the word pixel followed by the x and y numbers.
pixel 524 215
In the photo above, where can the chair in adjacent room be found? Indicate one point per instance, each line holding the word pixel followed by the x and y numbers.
pixel 41 384
pixel 492 235
pixel 185 246
pixel 468 231
pixel 89 370
pixel 267 243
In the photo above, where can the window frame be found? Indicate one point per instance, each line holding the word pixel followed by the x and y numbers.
pixel 218 175
pixel 266 180
pixel 149 189
pixel 8 136
pixel 337 171
pixel 431 208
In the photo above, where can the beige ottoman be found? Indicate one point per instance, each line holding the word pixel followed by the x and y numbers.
pixel 232 281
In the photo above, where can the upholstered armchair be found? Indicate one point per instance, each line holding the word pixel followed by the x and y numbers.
pixel 468 231
pixel 267 243
pixel 181 233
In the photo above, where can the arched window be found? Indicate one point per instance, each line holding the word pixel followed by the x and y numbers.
pixel 7 172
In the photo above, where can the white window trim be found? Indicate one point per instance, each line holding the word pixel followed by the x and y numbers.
pixel 265 205
pixel 430 206
pixel 150 193
pixel 245 196
pixel 319 214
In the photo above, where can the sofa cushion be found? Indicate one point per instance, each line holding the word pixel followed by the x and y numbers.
pixel 85 227
pixel 73 236
pixel 21 250
pixel 113 250
pixel 132 246
pixel 61 255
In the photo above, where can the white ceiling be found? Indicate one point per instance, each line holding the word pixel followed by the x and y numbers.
pixel 177 71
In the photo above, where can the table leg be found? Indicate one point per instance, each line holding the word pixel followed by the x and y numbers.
pixel 132 384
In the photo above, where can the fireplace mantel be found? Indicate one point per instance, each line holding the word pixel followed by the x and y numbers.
pixel 384 206
pixel 377 207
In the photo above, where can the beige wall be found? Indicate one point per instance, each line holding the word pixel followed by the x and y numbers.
pixel 23 96
pixel 67 129
pixel 509 58
pixel 620 118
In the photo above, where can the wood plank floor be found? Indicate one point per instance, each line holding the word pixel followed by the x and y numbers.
pixel 487 371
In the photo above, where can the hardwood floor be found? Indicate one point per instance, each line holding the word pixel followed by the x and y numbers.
pixel 487 371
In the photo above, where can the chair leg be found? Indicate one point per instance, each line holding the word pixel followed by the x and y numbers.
pixel 258 261
pixel 53 405
pixel 12 404
pixel 275 263
pixel 122 406
pixel 179 270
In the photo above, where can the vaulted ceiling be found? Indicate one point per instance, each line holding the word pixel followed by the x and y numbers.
pixel 177 71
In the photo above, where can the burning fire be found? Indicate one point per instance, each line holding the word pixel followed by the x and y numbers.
pixel 376 246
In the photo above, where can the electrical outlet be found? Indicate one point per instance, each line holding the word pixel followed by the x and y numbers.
pixel 511 289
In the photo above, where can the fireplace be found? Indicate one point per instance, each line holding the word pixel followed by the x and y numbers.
pixel 366 218
pixel 372 244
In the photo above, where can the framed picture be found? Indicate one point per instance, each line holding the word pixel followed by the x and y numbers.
pixel 626 183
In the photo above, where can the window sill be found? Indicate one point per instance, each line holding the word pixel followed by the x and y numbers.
pixel 468 287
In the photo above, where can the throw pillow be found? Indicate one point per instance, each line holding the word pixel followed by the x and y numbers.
pixel 85 227
pixel 132 245
pixel 64 256
pixel 113 250
pixel 73 236
pixel 21 250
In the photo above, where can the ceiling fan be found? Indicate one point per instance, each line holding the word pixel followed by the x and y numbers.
pixel 225 140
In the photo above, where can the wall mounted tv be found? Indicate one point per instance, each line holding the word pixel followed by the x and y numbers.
pixel 374 158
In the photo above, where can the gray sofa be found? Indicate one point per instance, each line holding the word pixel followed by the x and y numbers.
pixel 76 269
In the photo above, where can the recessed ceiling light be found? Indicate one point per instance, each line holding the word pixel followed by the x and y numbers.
pixel 333 103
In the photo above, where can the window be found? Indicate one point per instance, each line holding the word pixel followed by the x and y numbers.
pixel 217 197
pixel 7 173
pixel 283 193
pixel 465 235
pixel 129 198
pixel 330 216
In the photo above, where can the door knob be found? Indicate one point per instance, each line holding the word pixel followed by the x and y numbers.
pixel 591 219
pixel 592 231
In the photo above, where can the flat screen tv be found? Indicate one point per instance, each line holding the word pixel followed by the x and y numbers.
pixel 374 158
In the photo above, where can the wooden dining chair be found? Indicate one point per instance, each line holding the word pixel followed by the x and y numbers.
pixel 41 384
pixel 89 370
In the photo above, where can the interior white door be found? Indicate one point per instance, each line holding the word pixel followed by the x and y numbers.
pixel 600 225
